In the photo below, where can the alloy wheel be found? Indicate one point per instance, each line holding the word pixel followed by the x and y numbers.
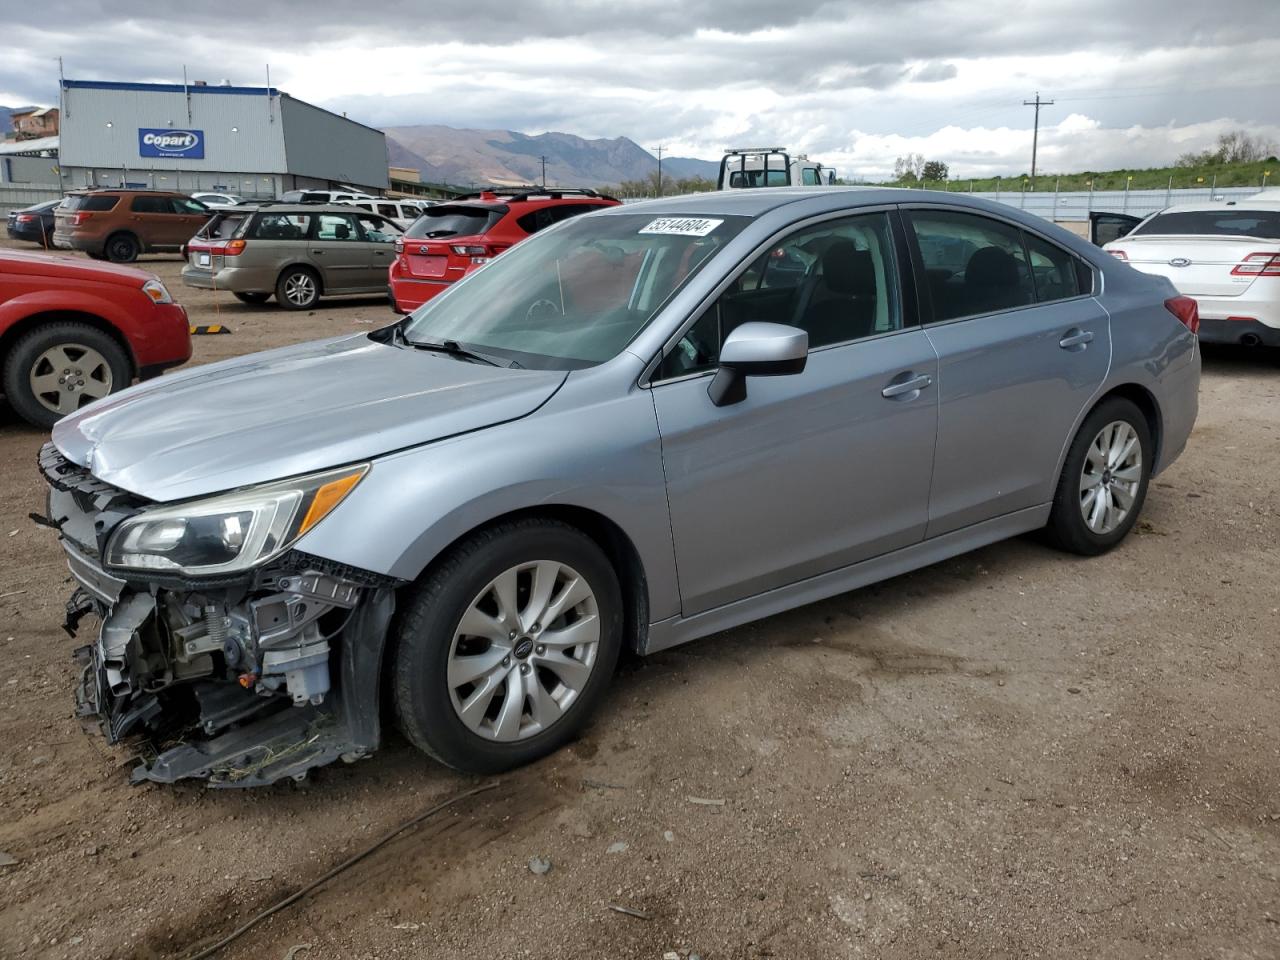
pixel 300 289
pixel 524 651
pixel 67 376
pixel 1111 477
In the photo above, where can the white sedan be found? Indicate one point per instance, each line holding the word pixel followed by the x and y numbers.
pixel 1226 256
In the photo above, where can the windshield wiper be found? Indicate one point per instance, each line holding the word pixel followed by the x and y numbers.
pixel 454 348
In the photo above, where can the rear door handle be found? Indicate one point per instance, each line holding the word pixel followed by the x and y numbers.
pixel 901 388
pixel 1075 338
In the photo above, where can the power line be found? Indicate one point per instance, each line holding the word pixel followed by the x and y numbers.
pixel 1035 134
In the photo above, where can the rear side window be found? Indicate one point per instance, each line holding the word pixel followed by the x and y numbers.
pixel 144 204
pixel 973 264
pixel 92 202
pixel 1053 269
pixel 337 226
pixel 224 226
pixel 388 210
pixel 281 226
pixel 1228 222
pixel 446 220
pixel 544 217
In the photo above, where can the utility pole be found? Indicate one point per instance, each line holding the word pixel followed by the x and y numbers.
pixel 544 172
pixel 660 148
pixel 1035 135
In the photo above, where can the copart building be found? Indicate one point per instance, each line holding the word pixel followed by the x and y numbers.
pixel 251 141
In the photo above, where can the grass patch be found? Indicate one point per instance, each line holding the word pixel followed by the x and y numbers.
pixel 1157 178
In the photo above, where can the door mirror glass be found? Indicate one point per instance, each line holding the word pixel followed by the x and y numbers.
pixel 757 350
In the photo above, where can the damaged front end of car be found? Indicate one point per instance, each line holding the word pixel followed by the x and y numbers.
pixel 223 653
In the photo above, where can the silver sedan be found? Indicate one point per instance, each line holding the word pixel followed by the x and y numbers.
pixel 639 427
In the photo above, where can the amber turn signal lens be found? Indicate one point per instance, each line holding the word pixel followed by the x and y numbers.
pixel 328 497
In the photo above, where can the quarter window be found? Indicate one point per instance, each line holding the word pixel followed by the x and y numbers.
pixel 837 281
pixel 973 264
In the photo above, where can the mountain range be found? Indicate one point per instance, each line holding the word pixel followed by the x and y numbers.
pixel 464 157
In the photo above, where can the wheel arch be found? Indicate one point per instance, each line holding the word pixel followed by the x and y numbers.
pixel 607 535
pixel 24 325
pixel 1144 400
pixel 311 268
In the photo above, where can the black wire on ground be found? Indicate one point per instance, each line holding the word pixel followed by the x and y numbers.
pixel 349 862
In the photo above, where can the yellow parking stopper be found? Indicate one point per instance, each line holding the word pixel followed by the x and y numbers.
pixel 208 329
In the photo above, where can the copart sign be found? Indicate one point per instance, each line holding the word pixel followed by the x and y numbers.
pixel 175 144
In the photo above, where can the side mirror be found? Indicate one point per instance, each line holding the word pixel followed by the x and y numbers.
pixel 757 350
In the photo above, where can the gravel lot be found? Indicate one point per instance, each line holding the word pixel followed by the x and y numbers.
pixel 1012 754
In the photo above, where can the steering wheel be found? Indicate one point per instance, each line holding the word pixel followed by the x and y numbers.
pixel 542 309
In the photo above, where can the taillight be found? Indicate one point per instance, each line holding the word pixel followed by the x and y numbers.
pixel 399 246
pixel 1119 254
pixel 79 218
pixel 233 248
pixel 470 249
pixel 25 217
pixel 1258 265
pixel 1186 310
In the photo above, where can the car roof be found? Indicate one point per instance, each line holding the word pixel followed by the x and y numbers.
pixel 1258 202
pixel 279 206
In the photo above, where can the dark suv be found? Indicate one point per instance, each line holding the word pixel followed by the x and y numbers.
pixel 118 225
pixel 451 239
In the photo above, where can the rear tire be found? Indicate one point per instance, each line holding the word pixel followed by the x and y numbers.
pixel 98 365
pixel 254 298
pixel 489 701
pixel 122 248
pixel 1104 480
pixel 298 288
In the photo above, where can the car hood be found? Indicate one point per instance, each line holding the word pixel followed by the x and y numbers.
pixel 290 411
pixel 68 267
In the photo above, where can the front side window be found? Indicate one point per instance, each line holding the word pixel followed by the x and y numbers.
pixel 336 226
pixel 973 264
pixel 837 281
pixel 577 295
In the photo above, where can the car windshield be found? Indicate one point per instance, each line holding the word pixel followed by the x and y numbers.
pixel 576 294
pixel 1232 222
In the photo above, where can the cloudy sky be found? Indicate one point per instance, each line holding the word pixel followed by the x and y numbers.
pixel 854 83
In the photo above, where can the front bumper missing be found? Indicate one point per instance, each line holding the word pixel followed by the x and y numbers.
pixel 241 682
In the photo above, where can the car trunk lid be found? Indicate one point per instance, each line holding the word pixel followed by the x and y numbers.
pixel 1198 266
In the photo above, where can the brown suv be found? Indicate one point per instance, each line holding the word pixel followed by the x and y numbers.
pixel 118 225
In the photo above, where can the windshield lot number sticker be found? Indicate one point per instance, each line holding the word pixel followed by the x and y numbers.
pixel 682 226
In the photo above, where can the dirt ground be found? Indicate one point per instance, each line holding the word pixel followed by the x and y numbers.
pixel 1012 754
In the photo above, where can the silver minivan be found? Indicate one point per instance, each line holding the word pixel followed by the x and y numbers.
pixel 638 427
pixel 298 252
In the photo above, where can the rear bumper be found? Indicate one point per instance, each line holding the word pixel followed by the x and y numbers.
pixel 65 241
pixel 409 294
pixel 26 231
pixel 1250 332
pixel 231 279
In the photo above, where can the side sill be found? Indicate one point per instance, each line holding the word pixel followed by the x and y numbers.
pixel 677 630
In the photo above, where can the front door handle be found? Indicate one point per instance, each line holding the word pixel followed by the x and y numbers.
pixel 1075 338
pixel 906 388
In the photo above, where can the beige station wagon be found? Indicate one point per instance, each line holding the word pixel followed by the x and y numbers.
pixel 299 252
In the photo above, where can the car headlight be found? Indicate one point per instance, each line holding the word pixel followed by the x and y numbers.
pixel 157 291
pixel 231 532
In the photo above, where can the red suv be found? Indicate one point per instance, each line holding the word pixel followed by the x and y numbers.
pixel 451 239
pixel 72 332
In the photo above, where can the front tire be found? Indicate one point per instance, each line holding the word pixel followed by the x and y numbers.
pixel 56 369
pixel 507 646
pixel 298 288
pixel 1104 479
